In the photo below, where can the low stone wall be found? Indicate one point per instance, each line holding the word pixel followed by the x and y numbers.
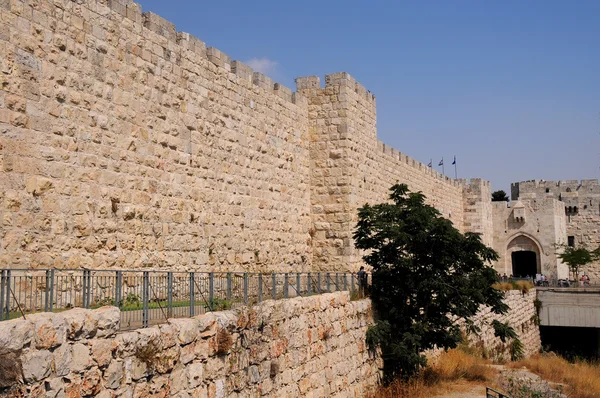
pixel 305 346
pixel 521 316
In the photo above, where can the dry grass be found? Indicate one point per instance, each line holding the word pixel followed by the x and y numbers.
pixel 522 286
pixel 451 366
pixel 582 377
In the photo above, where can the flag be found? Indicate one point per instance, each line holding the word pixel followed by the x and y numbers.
pixel 441 162
pixel 429 164
pixel 454 160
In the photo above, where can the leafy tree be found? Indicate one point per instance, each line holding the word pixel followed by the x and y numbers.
pixel 577 257
pixel 426 274
pixel 499 196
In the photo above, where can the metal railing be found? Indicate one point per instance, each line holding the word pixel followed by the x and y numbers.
pixel 150 297
pixel 566 283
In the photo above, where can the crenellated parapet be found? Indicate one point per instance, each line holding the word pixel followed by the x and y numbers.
pixel 186 42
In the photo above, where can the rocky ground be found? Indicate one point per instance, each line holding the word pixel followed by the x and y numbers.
pixel 517 383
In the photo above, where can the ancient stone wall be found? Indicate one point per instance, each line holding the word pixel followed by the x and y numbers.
pixel 313 346
pixel 522 316
pixel 478 209
pixel 124 143
pixel 350 167
pixel 127 144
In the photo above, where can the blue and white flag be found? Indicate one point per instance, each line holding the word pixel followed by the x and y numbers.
pixel 454 160
pixel 441 162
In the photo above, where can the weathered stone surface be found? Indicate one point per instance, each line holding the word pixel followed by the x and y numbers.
pixel 108 321
pixel 81 323
pixel 62 360
pixel 15 334
pixel 102 351
pixel 36 365
pixel 49 330
pixel 182 361
pixel 81 358
pixel 113 374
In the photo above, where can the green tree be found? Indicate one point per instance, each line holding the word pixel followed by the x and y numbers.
pixel 575 258
pixel 426 274
pixel 499 196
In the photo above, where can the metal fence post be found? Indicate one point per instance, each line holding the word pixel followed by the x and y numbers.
pixel 119 288
pixel 274 285
pixel 298 284
pixel 51 295
pixel 260 282
pixel 87 288
pixel 192 299
pixel 246 288
pixel 345 282
pixel 47 291
pixel 145 297
pixel 7 301
pixel 319 282
pixel 308 284
pixel 211 289
pixel 170 294
pixel 352 282
pixel 285 285
pixel 2 282
pixel 328 282
pixel 229 286
pixel 337 281
pixel 83 288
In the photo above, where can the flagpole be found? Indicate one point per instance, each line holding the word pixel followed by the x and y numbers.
pixel 443 172
pixel 455 172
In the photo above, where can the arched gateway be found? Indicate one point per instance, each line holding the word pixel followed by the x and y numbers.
pixel 524 253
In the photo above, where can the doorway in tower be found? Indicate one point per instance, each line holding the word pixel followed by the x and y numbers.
pixel 524 263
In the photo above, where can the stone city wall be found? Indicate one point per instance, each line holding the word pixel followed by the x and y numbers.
pixel 522 316
pixel 312 346
pixel 478 209
pixel 126 144
pixel 350 167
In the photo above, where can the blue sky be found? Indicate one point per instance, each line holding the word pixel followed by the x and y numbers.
pixel 512 88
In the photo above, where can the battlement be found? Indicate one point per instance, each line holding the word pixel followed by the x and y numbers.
pixel 474 182
pixel 413 163
pixel 562 188
pixel 337 79
pixel 187 42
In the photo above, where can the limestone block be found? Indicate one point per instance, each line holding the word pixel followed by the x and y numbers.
pixel 16 333
pixel 195 373
pixel 62 360
pixel 81 323
pixel 159 25
pixel 102 351
pixel 37 365
pixel 108 321
pixel 81 359
pixel 188 330
pixel 91 382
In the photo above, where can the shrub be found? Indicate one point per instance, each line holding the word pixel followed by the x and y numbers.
pixel 224 342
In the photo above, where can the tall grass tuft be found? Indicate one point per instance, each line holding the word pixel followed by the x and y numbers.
pixel 522 286
pixel 451 366
pixel 582 377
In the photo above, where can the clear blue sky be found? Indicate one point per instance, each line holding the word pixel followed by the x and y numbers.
pixel 512 88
